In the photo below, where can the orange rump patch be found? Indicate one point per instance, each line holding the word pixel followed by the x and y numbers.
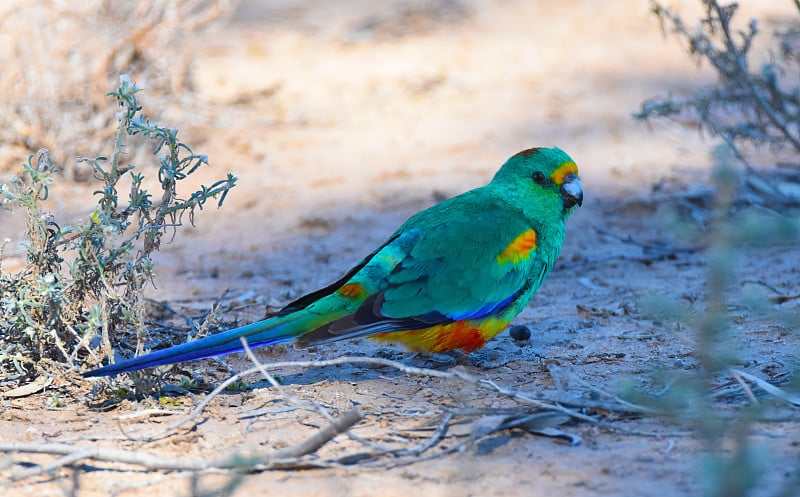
pixel 519 249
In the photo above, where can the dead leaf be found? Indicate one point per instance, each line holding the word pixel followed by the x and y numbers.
pixel 31 388
pixel 541 423
pixel 770 388
pixel 556 433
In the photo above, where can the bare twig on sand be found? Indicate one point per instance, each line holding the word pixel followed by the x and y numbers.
pixel 299 455
pixel 522 397
pixel 290 457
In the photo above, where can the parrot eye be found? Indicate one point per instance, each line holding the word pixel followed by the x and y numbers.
pixel 538 178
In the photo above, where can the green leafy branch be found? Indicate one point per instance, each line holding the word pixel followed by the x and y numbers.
pixel 87 279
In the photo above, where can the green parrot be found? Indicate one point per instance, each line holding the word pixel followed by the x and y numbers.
pixel 451 277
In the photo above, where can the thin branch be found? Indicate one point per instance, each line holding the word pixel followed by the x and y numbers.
pixel 325 435
pixel 662 248
pixel 293 399
pixel 620 402
pixel 66 460
pixel 736 376
pixel 146 413
pixel 544 403
pixel 437 436
pixel 297 456
pixel 290 457
pixel 739 57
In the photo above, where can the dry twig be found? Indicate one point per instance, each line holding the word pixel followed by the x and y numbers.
pixel 288 458
pixel 297 456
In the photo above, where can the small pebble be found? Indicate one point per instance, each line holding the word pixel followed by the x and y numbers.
pixel 520 332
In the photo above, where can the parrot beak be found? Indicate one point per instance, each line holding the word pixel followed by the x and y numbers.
pixel 572 191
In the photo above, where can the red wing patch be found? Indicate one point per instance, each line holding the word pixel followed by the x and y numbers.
pixel 352 291
pixel 519 249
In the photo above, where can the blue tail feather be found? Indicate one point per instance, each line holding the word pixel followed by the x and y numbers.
pixel 258 335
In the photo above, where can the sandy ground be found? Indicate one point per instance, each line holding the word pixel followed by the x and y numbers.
pixel 341 120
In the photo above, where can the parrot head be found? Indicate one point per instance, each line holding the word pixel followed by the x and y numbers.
pixel 542 176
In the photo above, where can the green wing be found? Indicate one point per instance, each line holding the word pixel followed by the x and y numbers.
pixel 453 267
pixel 440 266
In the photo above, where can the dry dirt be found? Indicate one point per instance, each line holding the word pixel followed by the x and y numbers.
pixel 341 119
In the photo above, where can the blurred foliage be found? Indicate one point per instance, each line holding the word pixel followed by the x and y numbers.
pixel 59 56
pixel 747 107
pixel 746 209
pixel 722 403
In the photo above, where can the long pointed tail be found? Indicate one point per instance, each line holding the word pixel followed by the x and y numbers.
pixel 258 334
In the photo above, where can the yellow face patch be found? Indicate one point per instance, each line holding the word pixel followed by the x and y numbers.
pixel 563 171
pixel 519 249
